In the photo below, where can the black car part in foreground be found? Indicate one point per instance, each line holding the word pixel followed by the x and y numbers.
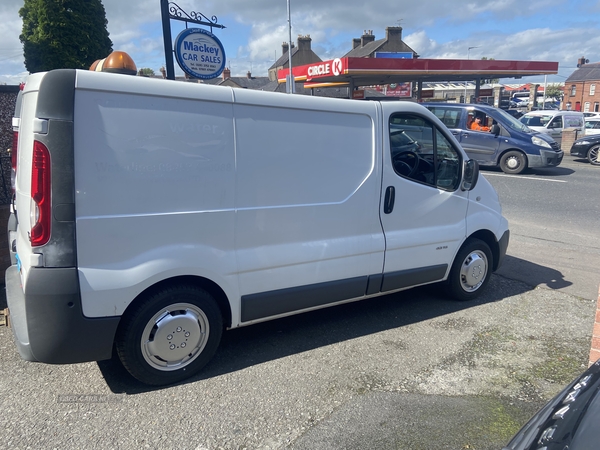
pixel 569 421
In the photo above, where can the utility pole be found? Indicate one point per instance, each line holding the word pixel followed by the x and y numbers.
pixel 290 81
pixel 468 54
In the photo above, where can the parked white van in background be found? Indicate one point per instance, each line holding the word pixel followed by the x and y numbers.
pixel 153 214
pixel 554 122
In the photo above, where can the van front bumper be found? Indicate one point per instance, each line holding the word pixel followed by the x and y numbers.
pixel 546 158
pixel 48 322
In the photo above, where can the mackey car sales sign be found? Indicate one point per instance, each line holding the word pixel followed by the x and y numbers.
pixel 199 53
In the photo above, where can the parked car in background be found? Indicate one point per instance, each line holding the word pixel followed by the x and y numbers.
pixel 553 122
pixel 587 147
pixel 569 421
pixel 591 114
pixel 592 125
pixel 516 113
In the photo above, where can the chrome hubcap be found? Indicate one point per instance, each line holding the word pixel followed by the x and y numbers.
pixel 473 271
pixel 512 162
pixel 594 155
pixel 175 336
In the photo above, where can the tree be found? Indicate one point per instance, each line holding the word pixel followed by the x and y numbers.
pixel 63 34
pixel 554 91
pixel 146 72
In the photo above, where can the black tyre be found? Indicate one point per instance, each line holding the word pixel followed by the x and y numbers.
pixel 471 270
pixel 513 162
pixel 170 335
pixel 593 156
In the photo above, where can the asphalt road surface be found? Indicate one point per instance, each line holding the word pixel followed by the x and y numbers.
pixel 411 370
pixel 554 218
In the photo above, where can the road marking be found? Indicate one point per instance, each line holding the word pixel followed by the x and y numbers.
pixel 524 178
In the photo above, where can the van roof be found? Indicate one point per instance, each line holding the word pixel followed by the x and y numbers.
pixel 553 112
pixel 482 106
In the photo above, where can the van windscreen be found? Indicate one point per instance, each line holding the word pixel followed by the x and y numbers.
pixel 536 121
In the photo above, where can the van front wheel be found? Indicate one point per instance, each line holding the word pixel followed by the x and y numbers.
pixel 170 335
pixel 471 270
pixel 513 162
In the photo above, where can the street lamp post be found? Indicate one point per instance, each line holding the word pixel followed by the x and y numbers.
pixel 290 82
pixel 468 54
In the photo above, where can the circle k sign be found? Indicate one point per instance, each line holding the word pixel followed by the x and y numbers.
pixel 336 67
pixel 199 53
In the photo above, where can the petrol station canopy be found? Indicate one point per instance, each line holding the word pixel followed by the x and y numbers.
pixel 356 72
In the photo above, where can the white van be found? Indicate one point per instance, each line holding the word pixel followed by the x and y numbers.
pixel 154 214
pixel 554 122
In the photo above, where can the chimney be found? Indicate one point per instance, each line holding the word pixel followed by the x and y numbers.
pixel 581 61
pixel 248 75
pixel 355 43
pixel 226 73
pixel 393 34
pixel 304 43
pixel 367 37
pixel 284 48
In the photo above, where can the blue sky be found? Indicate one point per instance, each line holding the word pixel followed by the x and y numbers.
pixel 541 30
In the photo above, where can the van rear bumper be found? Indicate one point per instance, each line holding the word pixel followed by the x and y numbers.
pixel 48 322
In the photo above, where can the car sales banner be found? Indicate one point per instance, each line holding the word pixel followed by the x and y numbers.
pixel 199 53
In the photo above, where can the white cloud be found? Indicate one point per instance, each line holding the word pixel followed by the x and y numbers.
pixel 555 30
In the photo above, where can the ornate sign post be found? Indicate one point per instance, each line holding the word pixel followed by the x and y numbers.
pixel 199 53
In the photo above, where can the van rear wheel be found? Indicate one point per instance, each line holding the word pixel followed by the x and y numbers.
pixel 593 156
pixel 513 162
pixel 170 335
pixel 471 270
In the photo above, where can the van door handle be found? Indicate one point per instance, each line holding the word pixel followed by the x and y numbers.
pixel 388 202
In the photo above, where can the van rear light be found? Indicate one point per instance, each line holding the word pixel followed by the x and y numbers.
pixel 40 195
pixel 13 160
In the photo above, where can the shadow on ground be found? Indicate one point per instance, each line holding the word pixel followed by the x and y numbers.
pixel 532 274
pixel 244 347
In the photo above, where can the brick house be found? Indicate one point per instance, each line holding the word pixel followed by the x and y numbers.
pixel 301 55
pixel 582 88
pixel 366 46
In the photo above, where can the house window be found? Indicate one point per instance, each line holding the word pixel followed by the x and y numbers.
pixel 592 89
pixel 586 107
pixel 596 106
pixel 573 90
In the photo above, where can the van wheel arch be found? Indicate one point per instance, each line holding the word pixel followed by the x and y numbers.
pixel 202 283
pixel 488 237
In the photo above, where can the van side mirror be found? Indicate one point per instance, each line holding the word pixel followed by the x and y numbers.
pixel 470 175
pixel 495 130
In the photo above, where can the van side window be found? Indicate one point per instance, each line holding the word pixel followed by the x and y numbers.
pixel 449 116
pixel 556 122
pixel 573 121
pixel 420 152
pixel 479 121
